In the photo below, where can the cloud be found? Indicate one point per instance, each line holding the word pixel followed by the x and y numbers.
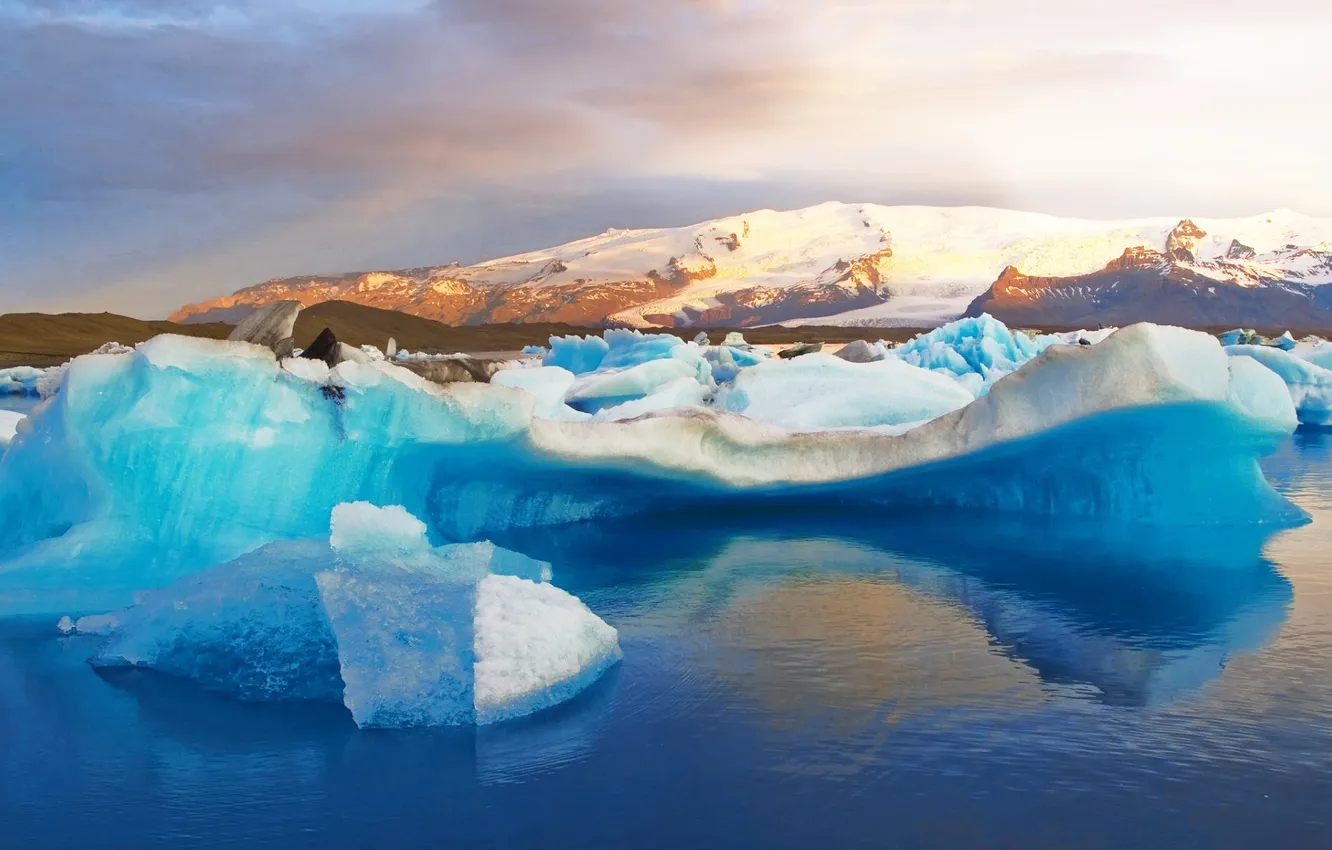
pixel 146 138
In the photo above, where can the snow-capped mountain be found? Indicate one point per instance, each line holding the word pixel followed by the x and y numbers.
pixel 1188 283
pixel 831 263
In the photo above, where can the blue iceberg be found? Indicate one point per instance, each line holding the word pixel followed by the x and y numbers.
pixel 401 633
pixel 20 380
pixel 147 465
pixel 980 345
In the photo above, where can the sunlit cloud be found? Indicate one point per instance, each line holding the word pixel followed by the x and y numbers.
pixel 156 151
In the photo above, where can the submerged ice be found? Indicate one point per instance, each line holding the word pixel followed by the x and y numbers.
pixel 402 633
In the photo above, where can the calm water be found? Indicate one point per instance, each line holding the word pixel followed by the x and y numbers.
pixel 804 682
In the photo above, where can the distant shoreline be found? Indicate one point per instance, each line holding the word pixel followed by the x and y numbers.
pixel 42 339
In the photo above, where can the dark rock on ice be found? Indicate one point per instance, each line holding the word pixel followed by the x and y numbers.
pixel 324 347
pixel 800 348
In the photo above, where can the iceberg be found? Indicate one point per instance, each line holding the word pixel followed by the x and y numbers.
pixel 148 464
pixel 9 423
pixel 822 391
pixel 400 633
pixel 547 384
pixel 631 348
pixel 601 390
pixel 726 361
pixel 20 380
pixel 1310 384
pixel 1316 351
pixel 625 366
pixel 577 354
pixel 980 345
pixel 680 393
pixel 617 348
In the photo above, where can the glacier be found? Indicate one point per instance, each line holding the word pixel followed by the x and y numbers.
pixel 149 464
pixel 400 633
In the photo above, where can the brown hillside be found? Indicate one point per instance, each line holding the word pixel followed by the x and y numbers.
pixel 42 339
pixel 356 324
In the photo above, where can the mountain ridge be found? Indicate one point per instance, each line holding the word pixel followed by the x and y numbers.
pixel 899 266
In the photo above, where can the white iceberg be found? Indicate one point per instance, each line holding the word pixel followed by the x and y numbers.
pixel 601 390
pixel 1310 384
pixel 821 391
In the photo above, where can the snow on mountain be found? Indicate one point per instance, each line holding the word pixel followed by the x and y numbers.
pixel 1186 283
pixel 831 263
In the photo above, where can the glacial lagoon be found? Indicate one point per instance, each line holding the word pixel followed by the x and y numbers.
pixel 844 681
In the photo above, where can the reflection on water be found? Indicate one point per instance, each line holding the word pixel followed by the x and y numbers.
pixel 812 680
pixel 847 604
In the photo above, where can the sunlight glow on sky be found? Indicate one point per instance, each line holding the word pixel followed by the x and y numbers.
pixel 154 152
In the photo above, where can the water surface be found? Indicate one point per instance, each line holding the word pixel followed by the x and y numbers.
pixel 789 681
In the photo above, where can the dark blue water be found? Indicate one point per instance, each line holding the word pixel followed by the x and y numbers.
pixel 795 681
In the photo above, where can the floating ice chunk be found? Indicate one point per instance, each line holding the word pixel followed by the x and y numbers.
pixel 253 628
pixel 822 391
pixel 607 389
pixel 682 392
pixel 727 361
pixel 578 354
pixel 630 348
pixel 9 424
pixel 535 646
pixel 20 380
pixel 95 624
pixel 1261 393
pixel 404 646
pixel 391 630
pixel 1308 384
pixel 1317 351
pixel 534 350
pixel 359 528
pixel 983 345
pixel 547 384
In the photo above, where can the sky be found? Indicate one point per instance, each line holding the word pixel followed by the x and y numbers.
pixel 157 152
